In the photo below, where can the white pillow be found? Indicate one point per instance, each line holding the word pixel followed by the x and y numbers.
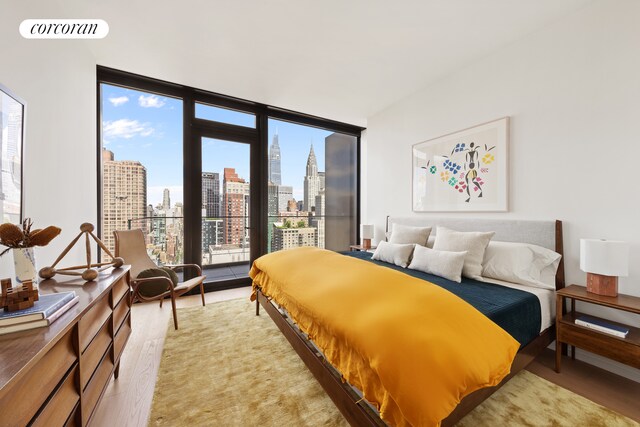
pixel 430 242
pixel 473 242
pixel 548 274
pixel 441 263
pixel 393 253
pixel 405 234
pixel 520 263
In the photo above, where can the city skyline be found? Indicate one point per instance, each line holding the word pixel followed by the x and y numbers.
pixel 145 127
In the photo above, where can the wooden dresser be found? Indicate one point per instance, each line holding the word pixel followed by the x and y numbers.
pixel 55 376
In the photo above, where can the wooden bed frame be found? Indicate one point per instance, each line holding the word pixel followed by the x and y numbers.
pixel 356 410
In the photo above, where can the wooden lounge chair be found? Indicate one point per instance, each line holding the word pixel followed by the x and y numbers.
pixel 130 245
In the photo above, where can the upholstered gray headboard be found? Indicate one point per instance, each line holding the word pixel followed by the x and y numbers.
pixel 541 233
pixel 547 234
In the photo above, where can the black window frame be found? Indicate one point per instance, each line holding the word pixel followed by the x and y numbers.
pixel 194 127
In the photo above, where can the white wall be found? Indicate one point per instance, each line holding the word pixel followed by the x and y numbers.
pixel 572 91
pixel 57 79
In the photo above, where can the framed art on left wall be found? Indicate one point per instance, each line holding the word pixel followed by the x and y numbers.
pixel 463 171
pixel 12 118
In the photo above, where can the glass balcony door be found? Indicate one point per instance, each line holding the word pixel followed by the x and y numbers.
pixel 225 211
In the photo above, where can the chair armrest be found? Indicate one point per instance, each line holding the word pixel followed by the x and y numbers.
pixel 135 284
pixel 196 266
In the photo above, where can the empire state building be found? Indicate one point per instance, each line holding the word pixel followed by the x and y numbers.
pixel 274 161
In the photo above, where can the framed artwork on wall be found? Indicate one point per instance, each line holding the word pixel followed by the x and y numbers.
pixel 12 118
pixel 463 171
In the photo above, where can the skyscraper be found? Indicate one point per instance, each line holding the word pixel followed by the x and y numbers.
pixel 285 193
pixel 274 161
pixel 340 190
pixel 235 203
pixel 211 194
pixel 166 200
pixel 124 196
pixel 311 181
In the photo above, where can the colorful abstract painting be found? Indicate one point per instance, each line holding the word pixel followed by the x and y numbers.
pixel 463 171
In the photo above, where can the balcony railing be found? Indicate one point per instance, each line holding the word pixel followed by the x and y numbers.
pixel 225 240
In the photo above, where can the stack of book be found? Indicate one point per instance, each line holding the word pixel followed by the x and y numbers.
pixel 602 326
pixel 44 312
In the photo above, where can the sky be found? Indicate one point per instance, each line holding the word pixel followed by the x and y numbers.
pixel 148 128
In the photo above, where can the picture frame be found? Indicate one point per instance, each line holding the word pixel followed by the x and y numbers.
pixel 464 171
pixel 12 130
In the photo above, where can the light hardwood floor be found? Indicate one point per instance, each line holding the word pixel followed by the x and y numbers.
pixel 127 401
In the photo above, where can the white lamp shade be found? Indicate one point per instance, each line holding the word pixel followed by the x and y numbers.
pixel 606 257
pixel 367 231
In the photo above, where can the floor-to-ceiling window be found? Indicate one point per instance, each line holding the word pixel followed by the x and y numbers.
pixel 219 181
pixel 312 189
pixel 142 178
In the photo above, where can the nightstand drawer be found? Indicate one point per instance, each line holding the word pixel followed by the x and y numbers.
pixel 597 342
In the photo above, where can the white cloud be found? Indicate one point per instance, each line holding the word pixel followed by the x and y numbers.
pixel 125 128
pixel 119 100
pixel 151 101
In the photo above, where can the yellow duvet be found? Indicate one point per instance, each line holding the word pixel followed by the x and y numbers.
pixel 414 349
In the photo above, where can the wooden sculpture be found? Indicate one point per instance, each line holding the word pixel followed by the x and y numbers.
pixel 17 297
pixel 90 270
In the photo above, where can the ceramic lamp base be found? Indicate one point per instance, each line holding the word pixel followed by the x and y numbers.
pixel 366 243
pixel 602 285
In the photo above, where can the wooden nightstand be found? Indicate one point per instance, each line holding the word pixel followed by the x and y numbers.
pixel 625 350
pixel 361 248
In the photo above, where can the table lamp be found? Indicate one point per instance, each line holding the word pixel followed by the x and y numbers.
pixel 604 261
pixel 367 235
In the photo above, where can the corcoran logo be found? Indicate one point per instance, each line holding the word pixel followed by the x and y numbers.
pixel 64 29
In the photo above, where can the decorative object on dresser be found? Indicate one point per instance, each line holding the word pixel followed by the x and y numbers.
pixel 22 241
pixel 12 117
pixel 603 261
pixel 131 247
pixel 17 297
pixel 367 235
pixel 56 376
pixel 624 349
pixel 90 271
pixel 463 171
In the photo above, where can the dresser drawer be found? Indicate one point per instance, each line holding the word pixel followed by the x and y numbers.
pixel 24 398
pixel 93 354
pixel 92 322
pixel 62 403
pixel 72 421
pixel 120 289
pixel 119 313
pixel 121 337
pixel 95 387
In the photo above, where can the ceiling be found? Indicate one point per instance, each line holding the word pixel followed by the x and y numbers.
pixel 340 59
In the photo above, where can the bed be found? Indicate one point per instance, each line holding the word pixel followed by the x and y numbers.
pixel 532 337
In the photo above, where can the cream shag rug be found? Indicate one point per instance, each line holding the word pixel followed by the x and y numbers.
pixel 227 367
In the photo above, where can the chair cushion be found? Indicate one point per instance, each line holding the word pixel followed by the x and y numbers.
pixel 153 288
pixel 172 275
